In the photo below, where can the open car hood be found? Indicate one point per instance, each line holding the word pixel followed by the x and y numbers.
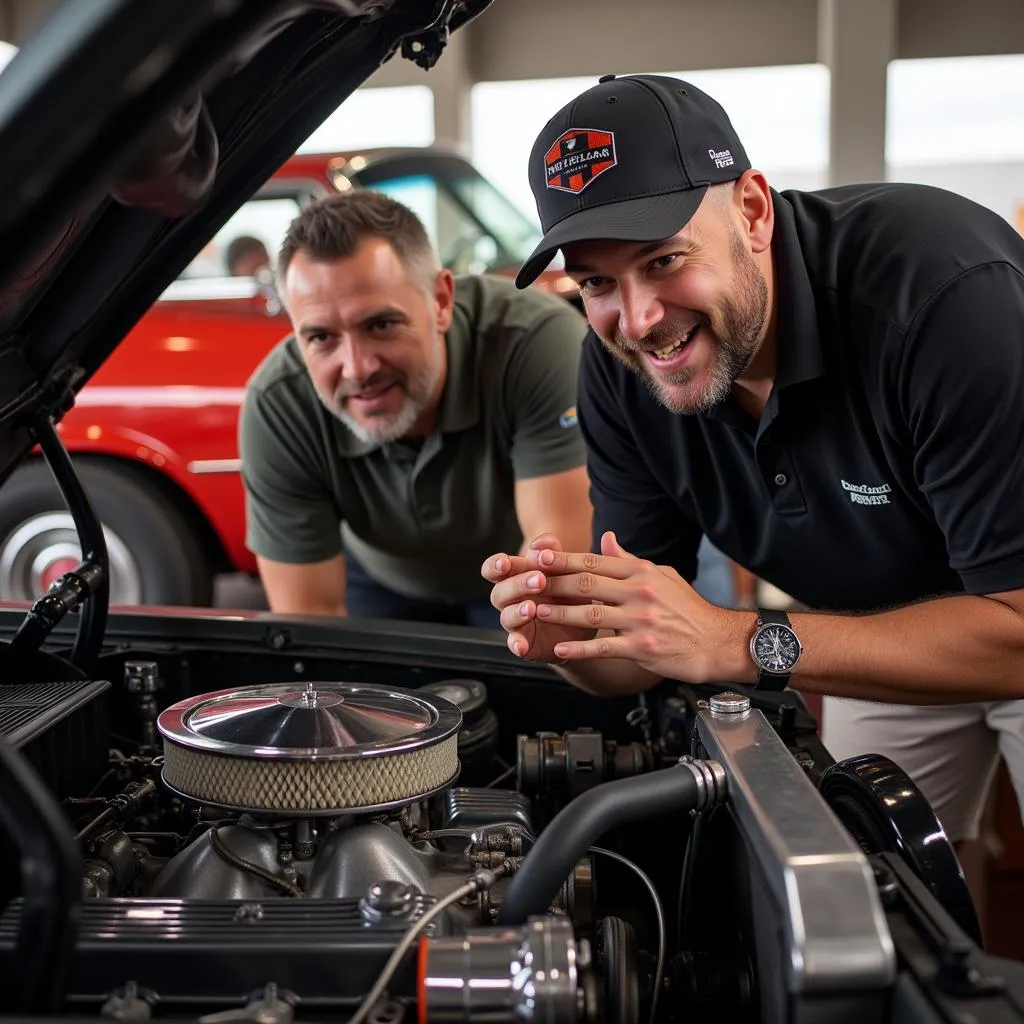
pixel 131 130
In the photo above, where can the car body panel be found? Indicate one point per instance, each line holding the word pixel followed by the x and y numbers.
pixel 169 398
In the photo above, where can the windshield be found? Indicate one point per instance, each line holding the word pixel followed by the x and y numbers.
pixel 513 231
pixel 475 227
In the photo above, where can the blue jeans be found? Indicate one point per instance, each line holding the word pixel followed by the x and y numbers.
pixel 714 576
pixel 366 598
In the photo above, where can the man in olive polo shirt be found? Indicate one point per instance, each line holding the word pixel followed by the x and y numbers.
pixel 411 423
pixel 829 386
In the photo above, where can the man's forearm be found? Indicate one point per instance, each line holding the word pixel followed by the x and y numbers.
pixel 944 651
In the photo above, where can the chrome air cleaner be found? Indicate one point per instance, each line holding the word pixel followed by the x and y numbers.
pixel 320 749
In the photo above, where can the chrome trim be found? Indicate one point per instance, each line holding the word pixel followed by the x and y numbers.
pixel 211 289
pixel 190 289
pixel 729 703
pixel 505 975
pixel 712 783
pixel 836 934
pixel 200 466
pixel 322 721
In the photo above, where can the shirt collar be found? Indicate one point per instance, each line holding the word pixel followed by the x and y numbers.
pixel 460 400
pixel 800 355
pixel 459 408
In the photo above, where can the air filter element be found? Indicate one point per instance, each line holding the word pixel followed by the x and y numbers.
pixel 330 748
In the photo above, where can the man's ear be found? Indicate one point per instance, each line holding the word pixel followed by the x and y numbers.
pixel 444 299
pixel 754 200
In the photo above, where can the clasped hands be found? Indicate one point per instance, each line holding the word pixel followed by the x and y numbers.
pixel 568 607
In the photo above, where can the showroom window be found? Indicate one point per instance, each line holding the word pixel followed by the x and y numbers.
pixel 391 116
pixel 958 123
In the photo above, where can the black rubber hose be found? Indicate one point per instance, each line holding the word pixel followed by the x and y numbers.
pixel 88 587
pixel 92 625
pixel 226 853
pixel 34 976
pixel 581 823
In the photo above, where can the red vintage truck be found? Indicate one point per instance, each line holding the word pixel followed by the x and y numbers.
pixel 154 431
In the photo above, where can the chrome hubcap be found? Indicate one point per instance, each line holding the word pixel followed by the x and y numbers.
pixel 46 546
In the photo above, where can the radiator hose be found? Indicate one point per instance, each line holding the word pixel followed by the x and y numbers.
pixel 690 785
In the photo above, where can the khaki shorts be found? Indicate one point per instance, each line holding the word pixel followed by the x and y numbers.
pixel 950 752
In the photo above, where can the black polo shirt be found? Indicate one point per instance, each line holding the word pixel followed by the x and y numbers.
pixel 888 465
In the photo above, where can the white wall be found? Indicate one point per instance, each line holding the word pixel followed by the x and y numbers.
pixel 999 186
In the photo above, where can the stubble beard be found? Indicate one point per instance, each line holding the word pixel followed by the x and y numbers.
pixel 736 331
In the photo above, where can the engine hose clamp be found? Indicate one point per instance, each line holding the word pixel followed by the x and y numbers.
pixel 712 784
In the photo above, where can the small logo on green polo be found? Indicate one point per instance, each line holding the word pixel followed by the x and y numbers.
pixel 568 418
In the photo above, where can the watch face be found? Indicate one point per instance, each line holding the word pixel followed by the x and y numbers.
pixel 775 648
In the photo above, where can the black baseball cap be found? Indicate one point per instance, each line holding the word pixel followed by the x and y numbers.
pixel 630 159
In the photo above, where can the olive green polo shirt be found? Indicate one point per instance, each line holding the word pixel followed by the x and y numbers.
pixel 420 519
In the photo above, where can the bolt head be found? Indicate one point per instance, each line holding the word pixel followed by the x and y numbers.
pixel 389 897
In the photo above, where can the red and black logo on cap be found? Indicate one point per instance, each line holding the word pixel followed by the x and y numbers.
pixel 577 157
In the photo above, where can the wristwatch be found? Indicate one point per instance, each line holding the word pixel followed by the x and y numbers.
pixel 775 649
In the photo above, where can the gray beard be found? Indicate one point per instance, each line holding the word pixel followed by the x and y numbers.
pixel 385 429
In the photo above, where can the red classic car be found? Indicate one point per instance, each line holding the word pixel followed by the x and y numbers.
pixel 154 432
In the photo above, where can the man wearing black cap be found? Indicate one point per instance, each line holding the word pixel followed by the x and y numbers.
pixel 830 387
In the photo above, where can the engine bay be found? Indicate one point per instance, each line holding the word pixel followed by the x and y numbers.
pixel 341 833
pixel 240 817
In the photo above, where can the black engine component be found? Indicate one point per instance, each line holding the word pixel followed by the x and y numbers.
pixel 121 808
pixel 110 866
pixel 570 764
pixel 617 957
pixel 690 786
pixel 62 729
pixel 944 978
pixel 712 974
pixel 34 970
pixel 478 737
pixel 886 812
pixel 218 950
pixel 88 587
pixel 479 808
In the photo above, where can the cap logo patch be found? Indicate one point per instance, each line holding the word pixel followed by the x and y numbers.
pixel 577 157
pixel 722 158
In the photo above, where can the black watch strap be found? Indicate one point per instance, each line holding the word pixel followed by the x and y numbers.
pixel 772 680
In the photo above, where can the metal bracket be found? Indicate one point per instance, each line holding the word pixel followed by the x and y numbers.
pixel 426 46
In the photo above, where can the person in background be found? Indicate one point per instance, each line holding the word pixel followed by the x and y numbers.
pixel 246 256
pixel 410 424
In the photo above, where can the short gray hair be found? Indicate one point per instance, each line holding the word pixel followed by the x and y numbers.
pixel 333 228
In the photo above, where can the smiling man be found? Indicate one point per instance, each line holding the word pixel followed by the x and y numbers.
pixel 830 387
pixel 411 423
